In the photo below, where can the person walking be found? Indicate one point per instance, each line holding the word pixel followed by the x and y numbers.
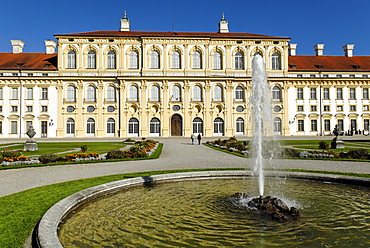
pixel 199 139
pixel 192 138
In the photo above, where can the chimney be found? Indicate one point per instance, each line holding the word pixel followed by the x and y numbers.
pixel 292 49
pixel 319 49
pixel 17 46
pixel 348 50
pixel 50 46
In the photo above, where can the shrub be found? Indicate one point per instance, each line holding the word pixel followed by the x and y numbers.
pixel 291 152
pixel 115 154
pixel 358 154
pixel 129 140
pixel 83 148
pixel 323 145
pixel 48 158
pixel 11 153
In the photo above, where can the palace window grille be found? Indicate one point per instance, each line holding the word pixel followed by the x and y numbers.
pixel 90 126
pixel 217 61
pixel 154 60
pixel 197 60
pixel 133 126
pixel 111 60
pixel 71 60
pixel 111 93
pixel 239 61
pixel 197 93
pixel 155 126
pixel 218 93
pixel 154 93
pixel 276 93
pixel 111 125
pixel 326 93
pixel 91 93
pixel 240 125
pixel 197 126
pixel 176 60
pixel 276 61
pixel 91 60
pixel 239 94
pixel 134 60
pixel 70 126
pixel 133 93
pixel 176 93
pixel 339 93
pixel 218 126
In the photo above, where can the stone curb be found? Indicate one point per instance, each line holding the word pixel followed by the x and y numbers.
pixel 47 229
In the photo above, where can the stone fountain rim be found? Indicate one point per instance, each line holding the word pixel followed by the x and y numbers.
pixel 46 232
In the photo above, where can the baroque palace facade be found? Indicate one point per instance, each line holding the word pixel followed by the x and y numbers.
pixel 148 84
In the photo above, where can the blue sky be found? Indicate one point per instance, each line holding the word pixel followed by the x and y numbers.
pixel 307 22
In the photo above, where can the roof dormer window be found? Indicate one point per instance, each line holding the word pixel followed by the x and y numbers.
pixel 319 66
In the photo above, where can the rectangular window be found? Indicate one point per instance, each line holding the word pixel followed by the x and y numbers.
pixel 339 93
pixel 14 108
pixel 44 93
pixel 365 93
pixel 300 125
pixel 313 108
pixel 327 125
pixel 366 124
pixel 29 108
pixel 44 108
pixel 366 107
pixel 352 93
pixel 1 127
pixel 1 108
pixel 1 93
pixel 339 108
pixel 340 125
pixel 14 93
pixel 313 93
pixel 13 127
pixel 29 93
pixel 352 108
pixel 326 93
pixel 28 124
pixel 326 108
pixel 313 125
pixel 300 108
pixel 299 93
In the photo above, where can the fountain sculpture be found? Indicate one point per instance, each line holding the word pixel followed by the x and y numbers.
pixel 262 133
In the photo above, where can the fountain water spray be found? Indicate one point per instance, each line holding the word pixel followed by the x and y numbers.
pixel 261 116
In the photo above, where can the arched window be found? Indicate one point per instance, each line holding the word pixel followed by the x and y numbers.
pixel 111 60
pixel 276 61
pixel 90 96
pixel 154 93
pixel 197 126
pixel 277 125
pixel 134 60
pixel 218 93
pixel 70 127
pixel 197 60
pixel 133 94
pixel 240 125
pixel 176 93
pixel 90 126
pixel 155 127
pixel 133 127
pixel 218 127
pixel 111 126
pixel 91 60
pixel 239 61
pixel 217 61
pixel 71 60
pixel 176 60
pixel 71 93
pixel 276 93
pixel 111 93
pixel 154 60
pixel 197 93
pixel 257 53
pixel 239 94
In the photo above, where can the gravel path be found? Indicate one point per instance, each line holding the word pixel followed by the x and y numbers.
pixel 178 153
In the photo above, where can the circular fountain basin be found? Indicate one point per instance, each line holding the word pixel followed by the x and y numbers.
pixel 198 213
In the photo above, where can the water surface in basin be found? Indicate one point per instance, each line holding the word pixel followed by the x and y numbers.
pixel 200 214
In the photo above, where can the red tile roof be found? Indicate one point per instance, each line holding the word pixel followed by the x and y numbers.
pixel 171 34
pixel 329 63
pixel 28 61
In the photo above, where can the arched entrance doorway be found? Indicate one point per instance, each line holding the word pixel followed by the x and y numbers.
pixel 176 125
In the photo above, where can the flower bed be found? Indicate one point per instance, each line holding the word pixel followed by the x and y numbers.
pixel 232 145
pixel 139 149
